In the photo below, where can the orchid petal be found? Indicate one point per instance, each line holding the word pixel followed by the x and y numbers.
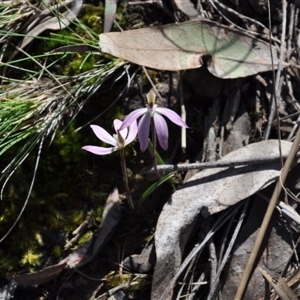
pixel 133 116
pixel 117 125
pixel 100 150
pixel 162 131
pixel 103 135
pixel 133 129
pixel 171 115
pixel 143 131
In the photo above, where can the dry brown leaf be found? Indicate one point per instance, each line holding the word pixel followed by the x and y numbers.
pixel 228 52
pixel 42 276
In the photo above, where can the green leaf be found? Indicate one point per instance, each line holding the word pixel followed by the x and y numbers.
pixel 155 185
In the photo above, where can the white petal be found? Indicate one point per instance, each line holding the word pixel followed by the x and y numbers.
pixel 117 125
pixel 99 150
pixel 103 135
pixel 133 129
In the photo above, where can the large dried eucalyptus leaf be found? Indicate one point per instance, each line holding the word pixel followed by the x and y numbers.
pixel 208 192
pixel 230 53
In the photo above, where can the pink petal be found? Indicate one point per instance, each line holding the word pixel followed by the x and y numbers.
pixel 143 131
pixel 162 131
pixel 171 115
pixel 100 150
pixel 133 129
pixel 132 117
pixel 117 125
pixel 103 135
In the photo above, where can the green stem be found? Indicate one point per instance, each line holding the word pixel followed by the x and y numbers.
pixel 154 148
pixel 125 178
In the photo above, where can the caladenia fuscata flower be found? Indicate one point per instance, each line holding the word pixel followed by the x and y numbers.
pixel 154 116
pixel 119 140
pixel 155 113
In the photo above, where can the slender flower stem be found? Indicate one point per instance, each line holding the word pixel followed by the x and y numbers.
pixel 154 148
pixel 125 178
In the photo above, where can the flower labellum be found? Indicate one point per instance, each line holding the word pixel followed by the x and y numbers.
pixel 160 125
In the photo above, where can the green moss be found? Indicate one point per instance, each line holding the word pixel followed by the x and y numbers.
pixel 57 251
pixel 58 202
pixel 92 16
pixel 120 16
pixel 84 238
pixel 114 280
pixel 39 239
pixel 78 63
pixel 31 259
pixel 69 145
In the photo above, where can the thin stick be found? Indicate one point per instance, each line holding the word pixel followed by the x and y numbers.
pixel 183 113
pixel 266 221
pixel 217 164
pixel 215 284
pixel 242 17
pixel 152 83
pixel 277 87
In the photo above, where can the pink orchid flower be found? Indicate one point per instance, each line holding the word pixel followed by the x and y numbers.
pixel 153 111
pixel 118 141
